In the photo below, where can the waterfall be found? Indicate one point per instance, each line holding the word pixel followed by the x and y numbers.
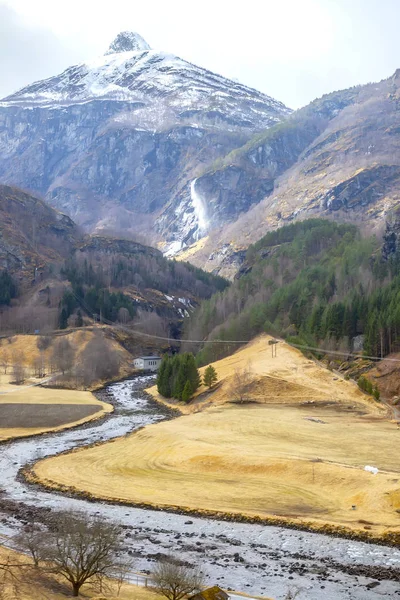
pixel 200 209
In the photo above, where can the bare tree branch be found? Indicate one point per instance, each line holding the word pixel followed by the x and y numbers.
pixel 174 581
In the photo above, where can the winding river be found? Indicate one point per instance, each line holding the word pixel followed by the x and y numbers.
pixel 256 559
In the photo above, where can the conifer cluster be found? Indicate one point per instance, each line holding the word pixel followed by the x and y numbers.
pixel 178 377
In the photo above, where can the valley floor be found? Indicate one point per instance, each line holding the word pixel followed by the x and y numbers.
pixel 298 453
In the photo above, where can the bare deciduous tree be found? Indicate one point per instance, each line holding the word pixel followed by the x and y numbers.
pixel 63 355
pixel 240 387
pixel 39 365
pixel 10 577
pixel 151 323
pixel 18 369
pixel 33 540
pixel 44 342
pixel 82 551
pixel 99 361
pixel 4 361
pixel 175 581
pixel 7 578
pixel 123 315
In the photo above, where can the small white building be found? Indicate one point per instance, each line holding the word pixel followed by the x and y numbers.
pixel 147 363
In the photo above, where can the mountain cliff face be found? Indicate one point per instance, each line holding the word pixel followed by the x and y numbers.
pixel 32 234
pixel 337 158
pixel 117 142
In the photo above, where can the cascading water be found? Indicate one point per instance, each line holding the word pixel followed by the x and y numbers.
pixel 200 208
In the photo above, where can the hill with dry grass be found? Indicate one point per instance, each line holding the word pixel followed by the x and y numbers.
pixel 25 350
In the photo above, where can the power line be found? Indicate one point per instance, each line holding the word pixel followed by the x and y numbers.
pixel 238 342
pixel 339 353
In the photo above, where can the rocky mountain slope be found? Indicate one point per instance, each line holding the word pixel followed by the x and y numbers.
pixel 48 266
pixel 117 142
pixel 339 158
pixel 32 234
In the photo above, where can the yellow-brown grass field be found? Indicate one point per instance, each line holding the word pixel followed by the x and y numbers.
pixel 299 452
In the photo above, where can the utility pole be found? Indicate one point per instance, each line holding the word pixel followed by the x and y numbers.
pixel 273 344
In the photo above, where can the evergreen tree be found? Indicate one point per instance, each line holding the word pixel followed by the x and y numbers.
pixel 192 372
pixel 210 376
pixel 63 319
pixel 181 378
pixel 161 376
pixel 79 319
pixel 187 392
pixel 376 394
pixel 175 372
pixel 164 377
pixel 8 288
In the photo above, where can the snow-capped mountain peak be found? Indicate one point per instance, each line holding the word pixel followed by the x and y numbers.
pixel 119 141
pixel 161 88
pixel 128 41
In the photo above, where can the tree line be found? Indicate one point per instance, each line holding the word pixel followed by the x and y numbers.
pixel 92 274
pixel 144 271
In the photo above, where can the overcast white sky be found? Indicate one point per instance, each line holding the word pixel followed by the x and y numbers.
pixel 293 50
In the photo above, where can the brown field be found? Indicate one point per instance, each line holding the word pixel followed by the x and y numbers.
pixel 298 452
pixel 43 416
pixel 31 409
pixel 32 584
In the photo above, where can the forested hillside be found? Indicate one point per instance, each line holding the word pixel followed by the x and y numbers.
pixel 109 277
pixel 316 282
